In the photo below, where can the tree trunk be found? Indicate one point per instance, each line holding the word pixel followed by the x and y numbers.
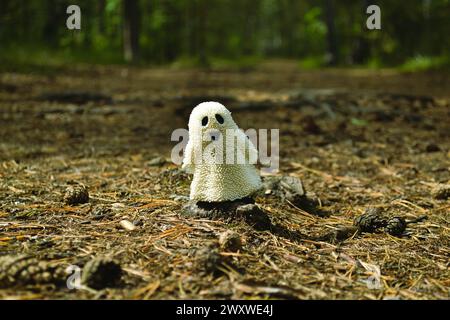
pixel 101 6
pixel 362 50
pixel 333 50
pixel 52 24
pixel 131 18
pixel 171 45
pixel 202 33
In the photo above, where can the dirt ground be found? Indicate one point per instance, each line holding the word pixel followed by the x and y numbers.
pixel 357 139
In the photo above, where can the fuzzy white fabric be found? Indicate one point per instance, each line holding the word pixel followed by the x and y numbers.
pixel 214 179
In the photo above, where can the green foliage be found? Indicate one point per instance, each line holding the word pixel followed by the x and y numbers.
pixel 313 62
pixel 358 122
pixel 420 63
pixel 220 33
pixel 312 34
pixel 29 57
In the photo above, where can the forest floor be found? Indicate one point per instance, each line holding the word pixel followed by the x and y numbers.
pixel 356 138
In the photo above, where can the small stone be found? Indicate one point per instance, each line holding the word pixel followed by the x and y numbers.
pixel 292 186
pixel 127 225
pixel 76 194
pixel 117 206
pixel 156 162
pixel 293 191
pixel 441 192
pixel 396 226
pixel 230 241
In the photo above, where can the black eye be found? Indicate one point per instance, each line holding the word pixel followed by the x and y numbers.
pixel 219 118
pixel 204 121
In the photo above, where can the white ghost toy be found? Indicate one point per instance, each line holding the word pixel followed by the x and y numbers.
pixel 219 175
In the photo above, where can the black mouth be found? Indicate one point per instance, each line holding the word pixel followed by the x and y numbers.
pixel 214 135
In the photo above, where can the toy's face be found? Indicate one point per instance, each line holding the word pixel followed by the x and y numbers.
pixel 211 118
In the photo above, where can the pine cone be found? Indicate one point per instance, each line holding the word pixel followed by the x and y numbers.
pixel 101 272
pixel 441 192
pixel 371 220
pixel 23 270
pixel 230 241
pixel 76 194
pixel 396 226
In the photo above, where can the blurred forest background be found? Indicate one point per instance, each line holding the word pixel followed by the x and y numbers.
pixel 414 34
pixel 87 116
